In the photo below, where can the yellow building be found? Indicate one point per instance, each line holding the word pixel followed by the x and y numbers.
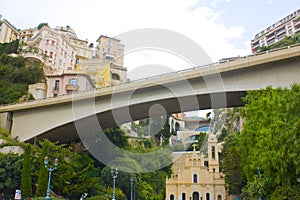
pixel 8 32
pixel 196 176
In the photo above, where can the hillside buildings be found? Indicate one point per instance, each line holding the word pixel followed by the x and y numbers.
pixel 56 47
pixel 196 176
pixel 106 67
pixel 287 26
pixel 62 53
pixel 185 130
pixel 8 32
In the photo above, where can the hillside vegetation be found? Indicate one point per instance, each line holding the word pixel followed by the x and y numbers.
pixel 16 73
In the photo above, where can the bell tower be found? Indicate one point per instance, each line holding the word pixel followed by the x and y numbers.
pixel 213 153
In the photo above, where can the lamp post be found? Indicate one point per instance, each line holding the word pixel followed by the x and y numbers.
pixel 131 187
pixel 258 171
pixel 114 174
pixel 50 169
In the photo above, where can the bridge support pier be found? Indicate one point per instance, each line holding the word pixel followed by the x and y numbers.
pixel 6 120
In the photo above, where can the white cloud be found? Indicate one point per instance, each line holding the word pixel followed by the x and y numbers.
pixel 92 18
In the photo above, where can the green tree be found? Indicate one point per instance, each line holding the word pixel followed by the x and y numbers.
pixel 10 173
pixel 26 181
pixel 43 172
pixel 117 136
pixel 8 48
pixel 15 77
pixel 235 178
pixel 270 140
pixel 286 193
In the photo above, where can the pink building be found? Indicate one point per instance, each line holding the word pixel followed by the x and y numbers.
pixel 68 83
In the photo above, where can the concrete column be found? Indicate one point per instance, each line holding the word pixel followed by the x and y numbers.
pixel 6 120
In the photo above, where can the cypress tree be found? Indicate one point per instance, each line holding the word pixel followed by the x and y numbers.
pixel 26 181
pixel 43 174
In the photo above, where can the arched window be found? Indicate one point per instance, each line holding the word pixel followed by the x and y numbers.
pixel 115 76
pixel 183 196
pixel 207 196
pixel 213 150
pixel 219 197
pixel 195 178
pixel 195 196
pixel 172 197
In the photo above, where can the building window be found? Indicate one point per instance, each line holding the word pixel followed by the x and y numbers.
pixel 172 197
pixel 73 81
pixel 213 150
pixel 207 196
pixel 219 197
pixel 195 178
pixel 56 85
pixel 108 50
pixel 115 77
pixel 183 196
pixel 177 126
pixel 53 43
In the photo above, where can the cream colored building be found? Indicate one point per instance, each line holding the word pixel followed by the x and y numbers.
pixel 110 50
pixel 8 32
pixel 26 34
pixel 196 176
pixel 84 51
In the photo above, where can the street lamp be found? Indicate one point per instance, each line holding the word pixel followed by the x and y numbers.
pixel 131 187
pixel 114 174
pixel 50 169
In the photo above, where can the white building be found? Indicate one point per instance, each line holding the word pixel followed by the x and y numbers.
pixel 57 48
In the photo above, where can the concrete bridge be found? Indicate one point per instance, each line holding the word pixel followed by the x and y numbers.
pixel 213 86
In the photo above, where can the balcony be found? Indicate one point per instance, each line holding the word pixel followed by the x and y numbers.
pixel 71 88
pixel 55 91
pixel 109 56
pixel 297 26
pixel 281 31
pixel 270 37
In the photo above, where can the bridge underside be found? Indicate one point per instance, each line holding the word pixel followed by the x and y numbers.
pixel 68 132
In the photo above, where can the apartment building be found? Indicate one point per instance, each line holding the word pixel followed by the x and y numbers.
pixel 84 51
pixel 110 50
pixel 196 176
pixel 68 83
pixel 26 34
pixel 8 32
pixel 55 46
pixel 287 26
pixel 106 67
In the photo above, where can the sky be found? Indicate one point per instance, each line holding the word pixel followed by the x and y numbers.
pixel 222 28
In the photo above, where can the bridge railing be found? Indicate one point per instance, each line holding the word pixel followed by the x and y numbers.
pixel 206 66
